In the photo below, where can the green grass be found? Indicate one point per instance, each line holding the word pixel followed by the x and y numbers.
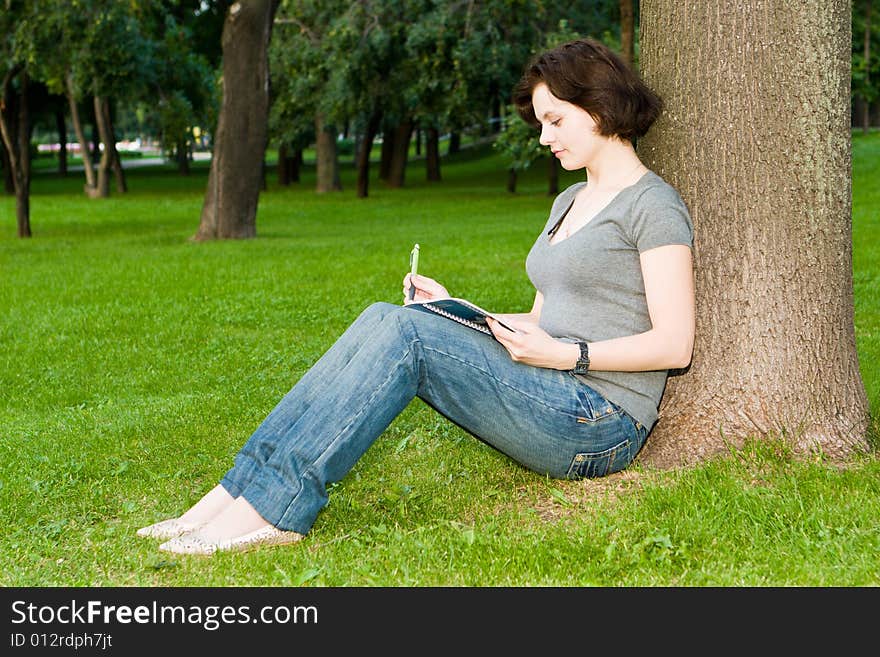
pixel 135 363
pixel 866 260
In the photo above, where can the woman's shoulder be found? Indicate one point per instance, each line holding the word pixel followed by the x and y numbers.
pixel 659 216
pixel 653 190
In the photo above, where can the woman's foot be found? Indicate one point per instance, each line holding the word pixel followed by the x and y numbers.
pixel 212 504
pixel 238 527
pixel 171 528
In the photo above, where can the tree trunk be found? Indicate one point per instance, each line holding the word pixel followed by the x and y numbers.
pixel 511 180
pixel 8 182
pixel 288 165
pixel 293 164
pixel 327 168
pixel 763 163
pixel 115 159
pixel 387 153
pixel 85 151
pixel 400 153
pixel 283 180
pixel 495 120
pixel 103 188
pixel 61 127
pixel 432 154
pixel 454 143
pixel 182 156
pixel 15 130
pixel 95 144
pixel 363 154
pixel 236 174
pixel 627 31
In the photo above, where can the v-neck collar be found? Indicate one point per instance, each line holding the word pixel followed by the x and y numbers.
pixel 612 200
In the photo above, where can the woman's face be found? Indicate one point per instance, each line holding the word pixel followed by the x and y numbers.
pixel 567 129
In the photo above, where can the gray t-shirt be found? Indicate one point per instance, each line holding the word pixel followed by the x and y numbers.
pixel 592 280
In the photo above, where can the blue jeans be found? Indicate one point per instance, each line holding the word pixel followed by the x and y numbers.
pixel 545 419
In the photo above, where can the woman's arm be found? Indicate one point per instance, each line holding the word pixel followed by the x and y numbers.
pixel 669 291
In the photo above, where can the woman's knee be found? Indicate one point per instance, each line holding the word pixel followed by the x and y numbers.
pixel 379 309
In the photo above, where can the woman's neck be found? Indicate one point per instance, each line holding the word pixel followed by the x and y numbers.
pixel 616 166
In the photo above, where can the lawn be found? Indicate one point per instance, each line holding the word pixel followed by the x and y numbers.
pixel 136 362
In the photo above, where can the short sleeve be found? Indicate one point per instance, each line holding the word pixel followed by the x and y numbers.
pixel 661 218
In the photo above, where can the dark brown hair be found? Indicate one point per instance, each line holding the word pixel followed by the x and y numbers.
pixel 588 74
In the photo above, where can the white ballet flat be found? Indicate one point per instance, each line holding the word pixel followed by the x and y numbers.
pixel 194 543
pixel 171 528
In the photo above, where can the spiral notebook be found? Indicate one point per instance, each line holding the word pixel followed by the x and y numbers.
pixel 461 311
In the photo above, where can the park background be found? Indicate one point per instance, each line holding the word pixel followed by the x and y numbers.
pixel 139 350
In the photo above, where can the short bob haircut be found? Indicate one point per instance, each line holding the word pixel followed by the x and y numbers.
pixel 588 74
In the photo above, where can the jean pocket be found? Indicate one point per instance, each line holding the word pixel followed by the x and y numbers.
pixel 593 407
pixel 598 464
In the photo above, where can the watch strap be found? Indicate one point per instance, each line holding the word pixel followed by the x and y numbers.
pixel 582 366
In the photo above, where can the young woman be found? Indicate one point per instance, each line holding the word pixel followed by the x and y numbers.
pixel 573 392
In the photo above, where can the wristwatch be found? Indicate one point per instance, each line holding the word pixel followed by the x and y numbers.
pixel 583 362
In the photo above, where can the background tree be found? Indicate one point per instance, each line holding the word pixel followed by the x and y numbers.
pixel 114 62
pixel 15 120
pixel 236 174
pixel 865 60
pixel 763 163
pixel 56 45
pixel 306 55
pixel 520 145
pixel 181 95
pixel 362 48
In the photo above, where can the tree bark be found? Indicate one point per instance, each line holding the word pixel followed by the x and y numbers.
pixel 15 130
pixel 627 31
pixel 432 154
pixel 763 163
pixel 511 180
pixel 327 166
pixel 103 188
pixel 400 153
pixel 84 148
pixel 363 154
pixel 235 178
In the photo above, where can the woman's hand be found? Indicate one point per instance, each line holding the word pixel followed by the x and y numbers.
pixel 532 345
pixel 426 289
